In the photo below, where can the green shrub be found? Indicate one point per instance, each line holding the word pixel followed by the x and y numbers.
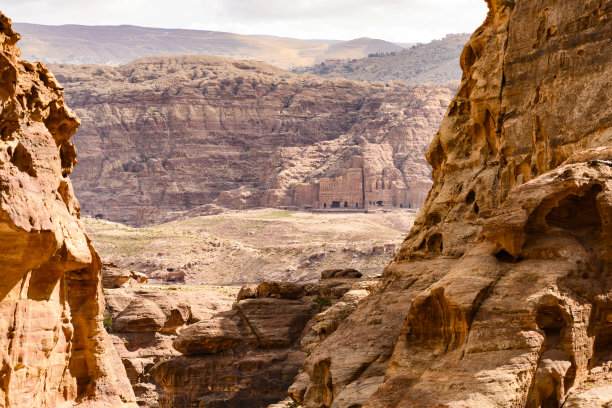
pixel 108 321
pixel 320 303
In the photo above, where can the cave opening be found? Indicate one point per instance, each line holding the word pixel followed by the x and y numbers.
pixel 550 320
pixel 335 204
pixel 504 256
pixel 434 242
pixel 577 214
pixel 602 350
pixel 471 196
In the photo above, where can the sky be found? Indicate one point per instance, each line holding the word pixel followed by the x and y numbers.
pixel 405 21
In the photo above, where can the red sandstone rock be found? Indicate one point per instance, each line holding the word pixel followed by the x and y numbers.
pixel 141 350
pixel 282 290
pixel 252 350
pixel 141 315
pixel 54 348
pixel 208 337
pixel 500 294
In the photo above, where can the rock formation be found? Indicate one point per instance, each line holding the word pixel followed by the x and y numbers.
pixel 501 295
pixel 166 135
pixel 241 351
pixel 54 348
pixel 144 321
pixel 250 355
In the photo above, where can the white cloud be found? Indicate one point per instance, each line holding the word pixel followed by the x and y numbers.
pixel 393 20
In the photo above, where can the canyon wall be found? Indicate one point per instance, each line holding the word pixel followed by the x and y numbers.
pixel 501 295
pixel 54 348
pixel 164 135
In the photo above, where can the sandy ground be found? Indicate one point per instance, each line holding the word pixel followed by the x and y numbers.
pixel 251 246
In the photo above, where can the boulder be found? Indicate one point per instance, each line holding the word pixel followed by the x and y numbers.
pixel 141 315
pixel 208 337
pixel 282 290
pixel 114 277
pixel 247 292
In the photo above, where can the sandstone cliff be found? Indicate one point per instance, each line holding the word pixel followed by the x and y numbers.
pixel 220 347
pixel 250 355
pixel 165 135
pixel 501 296
pixel 53 345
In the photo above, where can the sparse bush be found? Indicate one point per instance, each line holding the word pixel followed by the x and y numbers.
pixel 291 405
pixel 320 303
pixel 108 321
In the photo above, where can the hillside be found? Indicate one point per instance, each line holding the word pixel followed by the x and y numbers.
pixel 114 45
pixel 359 48
pixel 240 247
pixel 162 136
pixel 437 61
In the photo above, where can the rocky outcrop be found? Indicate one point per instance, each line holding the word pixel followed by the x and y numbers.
pixel 115 277
pixel 501 294
pixel 168 136
pixel 144 322
pixel 249 355
pixel 53 345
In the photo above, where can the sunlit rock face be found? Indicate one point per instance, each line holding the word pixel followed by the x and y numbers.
pixel 53 345
pixel 501 295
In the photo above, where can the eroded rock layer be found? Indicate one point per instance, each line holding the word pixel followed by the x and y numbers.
pixel 501 296
pixel 165 135
pixel 53 345
pixel 236 351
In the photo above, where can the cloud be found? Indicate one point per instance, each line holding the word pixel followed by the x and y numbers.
pixel 394 20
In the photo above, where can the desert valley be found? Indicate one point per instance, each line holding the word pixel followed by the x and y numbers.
pixel 196 218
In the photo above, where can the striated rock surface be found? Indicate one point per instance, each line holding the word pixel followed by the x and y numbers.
pixel 248 356
pixel 145 321
pixel 54 349
pixel 501 295
pixel 115 277
pixel 208 337
pixel 162 136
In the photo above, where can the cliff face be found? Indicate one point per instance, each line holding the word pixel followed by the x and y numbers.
pixel 53 346
pixel 501 296
pixel 249 355
pixel 164 135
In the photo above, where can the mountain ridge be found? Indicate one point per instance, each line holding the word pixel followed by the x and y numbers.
pixel 120 44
